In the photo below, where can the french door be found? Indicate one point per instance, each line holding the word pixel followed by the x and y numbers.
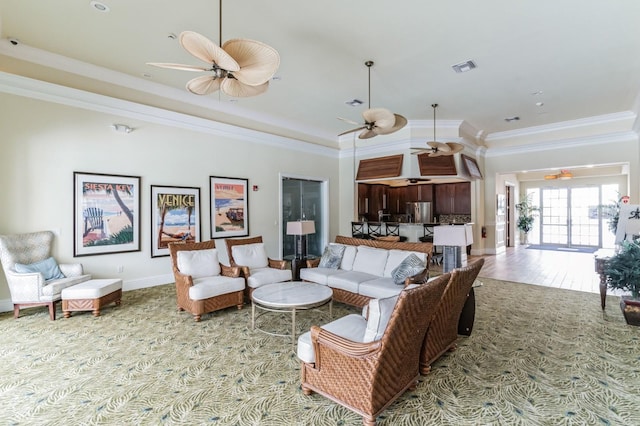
pixel 569 216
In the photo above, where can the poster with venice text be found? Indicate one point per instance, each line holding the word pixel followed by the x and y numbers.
pixel 175 217
pixel 106 214
pixel 229 207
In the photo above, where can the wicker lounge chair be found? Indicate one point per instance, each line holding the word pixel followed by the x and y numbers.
pixel 443 331
pixel 368 377
pixel 199 293
pixel 267 272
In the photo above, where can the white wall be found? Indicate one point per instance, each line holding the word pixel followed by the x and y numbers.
pixel 43 143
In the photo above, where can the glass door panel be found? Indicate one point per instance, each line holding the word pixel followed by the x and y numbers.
pixel 584 217
pixel 302 200
pixel 554 216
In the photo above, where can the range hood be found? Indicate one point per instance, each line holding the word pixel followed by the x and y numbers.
pixel 402 170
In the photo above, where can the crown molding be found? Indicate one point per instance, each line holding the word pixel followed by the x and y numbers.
pixel 627 136
pixel 73 66
pixel 49 92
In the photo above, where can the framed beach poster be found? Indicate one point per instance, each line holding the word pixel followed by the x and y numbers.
pixel 229 207
pixel 106 214
pixel 175 217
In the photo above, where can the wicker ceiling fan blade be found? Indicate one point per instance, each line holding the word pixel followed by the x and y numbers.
pixel 348 121
pixel 203 85
pixel 400 122
pixel 440 146
pixel 237 89
pixel 367 134
pixel 207 51
pixel 380 117
pixel 181 67
pixel 258 62
pixel 352 130
pixel 454 147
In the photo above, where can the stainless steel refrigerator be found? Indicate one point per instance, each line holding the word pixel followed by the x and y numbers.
pixel 419 212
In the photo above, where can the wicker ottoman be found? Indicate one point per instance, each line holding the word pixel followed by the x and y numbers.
pixel 91 295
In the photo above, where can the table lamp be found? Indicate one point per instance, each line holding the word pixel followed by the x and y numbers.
pixel 301 228
pixel 454 238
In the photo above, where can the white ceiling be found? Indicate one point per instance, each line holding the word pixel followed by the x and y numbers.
pixel 580 58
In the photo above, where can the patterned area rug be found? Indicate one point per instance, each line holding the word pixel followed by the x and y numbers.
pixel 537 356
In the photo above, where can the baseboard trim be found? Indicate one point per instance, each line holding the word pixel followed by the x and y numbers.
pixel 127 285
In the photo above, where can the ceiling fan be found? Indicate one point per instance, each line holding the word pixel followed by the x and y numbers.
pixel 377 121
pixel 239 67
pixel 439 148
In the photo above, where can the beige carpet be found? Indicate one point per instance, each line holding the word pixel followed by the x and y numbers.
pixel 537 356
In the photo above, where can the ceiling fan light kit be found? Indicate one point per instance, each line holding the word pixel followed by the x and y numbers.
pixel 239 67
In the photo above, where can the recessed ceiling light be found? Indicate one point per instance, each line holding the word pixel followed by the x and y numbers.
pixel 464 66
pixel 100 7
pixel 514 118
pixel 539 104
pixel 537 92
pixel 172 36
pixel 354 102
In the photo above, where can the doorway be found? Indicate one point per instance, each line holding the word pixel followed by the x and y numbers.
pixel 304 199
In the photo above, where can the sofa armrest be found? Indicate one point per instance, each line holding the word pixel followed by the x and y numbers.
pixel 25 287
pixel 420 278
pixel 277 264
pixel 230 271
pixel 71 269
pixel 328 344
pixel 313 263
pixel 183 281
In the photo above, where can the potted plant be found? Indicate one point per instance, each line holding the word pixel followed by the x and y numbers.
pixel 623 273
pixel 526 215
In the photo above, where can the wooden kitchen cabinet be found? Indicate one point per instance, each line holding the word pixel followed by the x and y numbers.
pixel 425 192
pixel 453 198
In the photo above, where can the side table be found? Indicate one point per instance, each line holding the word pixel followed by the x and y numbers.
pixel 298 263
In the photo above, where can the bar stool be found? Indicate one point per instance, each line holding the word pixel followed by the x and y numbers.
pixel 393 230
pixel 374 230
pixel 427 237
pixel 358 230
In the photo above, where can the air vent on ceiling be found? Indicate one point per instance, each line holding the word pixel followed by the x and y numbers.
pixel 464 66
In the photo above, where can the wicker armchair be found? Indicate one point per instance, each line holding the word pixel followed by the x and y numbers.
pixel 368 377
pixel 199 289
pixel 443 331
pixel 258 268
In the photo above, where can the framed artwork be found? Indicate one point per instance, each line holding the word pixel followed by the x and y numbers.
pixel 175 216
pixel 501 205
pixel 472 166
pixel 106 214
pixel 229 207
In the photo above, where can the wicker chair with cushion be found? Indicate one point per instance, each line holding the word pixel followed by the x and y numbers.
pixel 34 277
pixel 443 331
pixel 249 254
pixel 365 364
pixel 203 284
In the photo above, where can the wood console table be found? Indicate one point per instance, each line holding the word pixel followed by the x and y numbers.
pixel 601 256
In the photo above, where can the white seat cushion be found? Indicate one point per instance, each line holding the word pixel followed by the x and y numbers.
pixel 92 289
pixel 370 260
pixel 262 276
pixel 397 256
pixel 199 263
pixel 318 275
pixel 350 327
pixel 380 311
pixel 379 288
pixel 349 281
pixel 251 255
pixel 52 289
pixel 204 288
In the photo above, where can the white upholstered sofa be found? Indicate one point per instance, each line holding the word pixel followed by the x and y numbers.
pixel 366 269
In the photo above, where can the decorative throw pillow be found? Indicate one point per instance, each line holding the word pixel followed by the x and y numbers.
pixel 199 263
pixel 380 311
pixel 48 268
pixel 410 266
pixel 331 257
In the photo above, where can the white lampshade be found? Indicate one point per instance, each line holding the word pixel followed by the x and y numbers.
pixel 301 227
pixel 453 235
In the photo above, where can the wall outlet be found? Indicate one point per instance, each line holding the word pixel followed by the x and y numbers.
pixel 120 269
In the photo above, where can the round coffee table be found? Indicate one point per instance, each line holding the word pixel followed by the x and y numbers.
pixel 290 296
